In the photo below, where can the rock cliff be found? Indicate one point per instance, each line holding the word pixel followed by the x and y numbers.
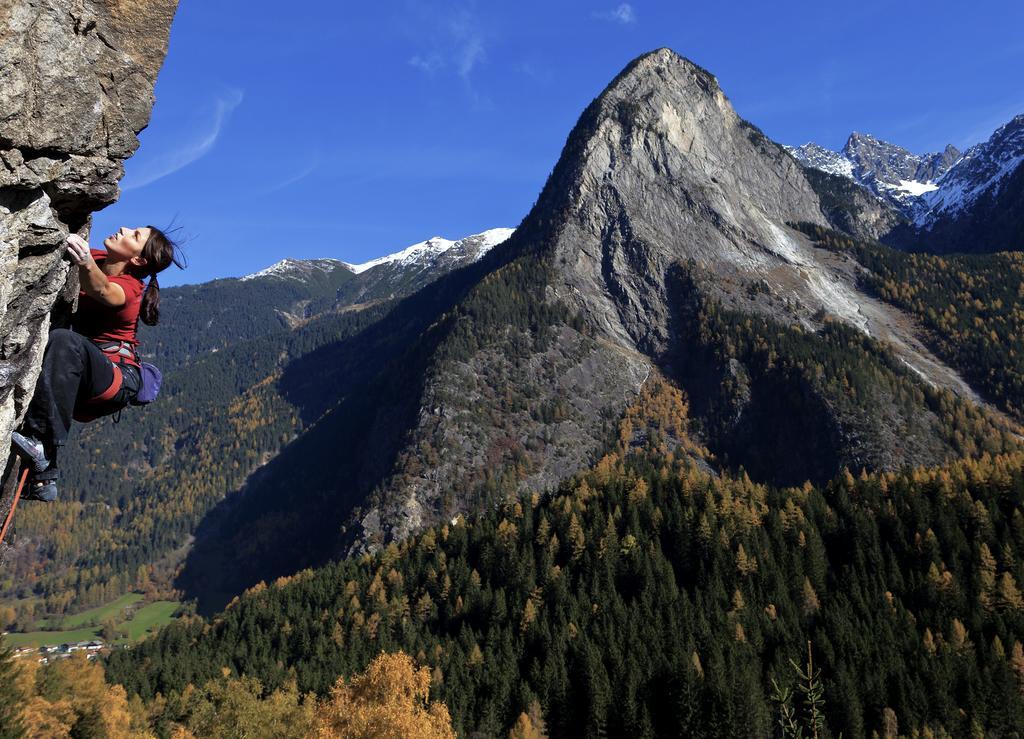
pixel 76 88
pixel 659 172
pixel 506 376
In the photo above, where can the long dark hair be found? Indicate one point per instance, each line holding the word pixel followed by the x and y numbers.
pixel 160 252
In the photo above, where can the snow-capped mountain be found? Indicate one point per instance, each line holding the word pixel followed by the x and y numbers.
pixel 971 201
pixel 421 256
pixel 426 253
pixel 216 315
pixel 890 172
pixel 885 162
pixel 982 169
pixel 296 269
pixel 818 157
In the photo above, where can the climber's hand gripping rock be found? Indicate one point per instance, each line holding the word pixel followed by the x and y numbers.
pixel 78 250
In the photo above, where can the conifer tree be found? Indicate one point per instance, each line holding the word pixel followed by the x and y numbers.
pixel 11 699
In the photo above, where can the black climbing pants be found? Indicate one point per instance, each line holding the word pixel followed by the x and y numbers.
pixel 74 371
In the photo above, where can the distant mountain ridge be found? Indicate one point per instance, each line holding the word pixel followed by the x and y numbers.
pixel 423 254
pixel 952 200
pixel 890 172
pixel 213 315
pixel 428 253
pixel 672 238
pixel 296 269
pixel 663 241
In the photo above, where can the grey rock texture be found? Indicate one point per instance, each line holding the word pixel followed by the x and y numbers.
pixel 76 88
pixel 509 374
pixel 670 174
pixel 894 175
pixel 978 204
pixel 659 172
pixel 880 160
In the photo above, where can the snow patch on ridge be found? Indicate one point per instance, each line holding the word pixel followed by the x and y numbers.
pixel 299 269
pixel 409 255
pixel 917 188
pixel 960 192
pixel 294 268
pixel 433 247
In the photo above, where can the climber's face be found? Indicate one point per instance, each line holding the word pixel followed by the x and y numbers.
pixel 126 244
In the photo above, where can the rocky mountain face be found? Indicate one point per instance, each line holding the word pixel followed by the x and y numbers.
pixel 950 200
pixel 978 205
pixel 406 271
pixel 881 161
pixel 502 377
pixel 890 172
pixel 76 88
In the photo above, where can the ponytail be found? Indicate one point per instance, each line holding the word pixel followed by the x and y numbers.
pixel 160 253
pixel 149 311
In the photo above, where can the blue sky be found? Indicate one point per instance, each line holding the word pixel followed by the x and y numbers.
pixel 351 130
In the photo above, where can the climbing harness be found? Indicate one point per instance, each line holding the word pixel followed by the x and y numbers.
pixel 93 408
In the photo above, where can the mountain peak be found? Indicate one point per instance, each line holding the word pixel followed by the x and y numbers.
pixel 426 252
pixel 857 137
pixel 982 169
pixel 892 173
pixel 298 269
pixel 660 94
pixel 656 67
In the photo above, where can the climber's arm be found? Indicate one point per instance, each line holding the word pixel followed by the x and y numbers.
pixel 91 277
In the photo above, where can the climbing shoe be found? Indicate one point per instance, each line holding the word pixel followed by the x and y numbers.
pixel 42 486
pixel 31 450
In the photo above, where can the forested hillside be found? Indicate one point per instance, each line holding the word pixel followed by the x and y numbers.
pixel 134 493
pixel 649 596
pixel 689 452
pixel 789 404
pixel 969 305
pixel 212 316
pixel 217 420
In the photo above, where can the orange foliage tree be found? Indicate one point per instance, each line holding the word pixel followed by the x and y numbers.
pixel 390 699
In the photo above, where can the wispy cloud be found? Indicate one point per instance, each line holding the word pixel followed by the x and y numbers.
pixel 304 172
pixel 535 70
pixel 168 162
pixel 623 14
pixel 428 63
pixel 459 43
pixel 469 47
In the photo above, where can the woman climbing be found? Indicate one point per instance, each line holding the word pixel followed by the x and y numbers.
pixel 93 370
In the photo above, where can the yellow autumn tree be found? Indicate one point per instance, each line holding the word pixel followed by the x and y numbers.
pixel 86 705
pixel 390 699
pixel 530 725
pixel 238 707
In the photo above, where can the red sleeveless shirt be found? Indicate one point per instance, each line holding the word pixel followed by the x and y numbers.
pixel 101 323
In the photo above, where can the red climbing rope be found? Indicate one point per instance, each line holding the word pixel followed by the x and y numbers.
pixel 14 504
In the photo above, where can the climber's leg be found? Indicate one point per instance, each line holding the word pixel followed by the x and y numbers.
pixel 73 369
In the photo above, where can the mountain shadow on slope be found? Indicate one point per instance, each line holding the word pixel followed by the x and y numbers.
pixel 789 404
pixel 358 397
pixel 992 223
pixel 449 404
